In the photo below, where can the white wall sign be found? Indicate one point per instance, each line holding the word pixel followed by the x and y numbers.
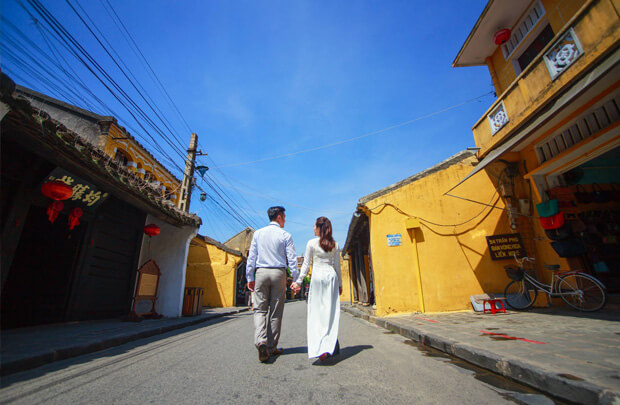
pixel 394 240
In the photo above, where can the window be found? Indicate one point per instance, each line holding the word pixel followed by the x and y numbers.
pixel 535 47
pixel 523 28
pixel 120 158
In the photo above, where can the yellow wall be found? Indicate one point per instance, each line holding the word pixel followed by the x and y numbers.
pixel 454 262
pixel 138 154
pixel 557 13
pixel 212 269
pixel 346 281
pixel 598 30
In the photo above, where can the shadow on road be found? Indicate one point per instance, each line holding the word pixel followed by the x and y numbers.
pixel 345 353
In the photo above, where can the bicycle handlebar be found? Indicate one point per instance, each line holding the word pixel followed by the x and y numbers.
pixel 524 259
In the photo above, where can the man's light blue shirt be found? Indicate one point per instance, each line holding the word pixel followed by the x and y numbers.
pixel 271 246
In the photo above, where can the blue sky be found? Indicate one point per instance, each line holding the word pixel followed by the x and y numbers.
pixel 257 79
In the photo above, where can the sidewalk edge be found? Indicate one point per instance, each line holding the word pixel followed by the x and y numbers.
pixel 51 356
pixel 516 369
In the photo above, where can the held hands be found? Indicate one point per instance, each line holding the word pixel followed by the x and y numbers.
pixel 251 286
pixel 295 287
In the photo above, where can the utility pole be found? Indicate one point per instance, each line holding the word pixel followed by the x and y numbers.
pixel 188 175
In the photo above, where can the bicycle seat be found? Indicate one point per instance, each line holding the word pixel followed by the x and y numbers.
pixel 552 267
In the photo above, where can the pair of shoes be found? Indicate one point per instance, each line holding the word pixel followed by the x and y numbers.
pixel 324 356
pixel 277 352
pixel 263 353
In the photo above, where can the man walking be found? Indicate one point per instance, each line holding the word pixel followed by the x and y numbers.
pixel 271 252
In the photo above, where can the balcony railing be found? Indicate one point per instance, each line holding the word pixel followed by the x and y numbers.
pixel 592 31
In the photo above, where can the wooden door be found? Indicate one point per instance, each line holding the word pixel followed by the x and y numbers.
pixel 104 285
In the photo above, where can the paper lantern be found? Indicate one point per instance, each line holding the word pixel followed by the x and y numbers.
pixel 501 36
pixel 57 191
pixel 74 217
pixel 151 230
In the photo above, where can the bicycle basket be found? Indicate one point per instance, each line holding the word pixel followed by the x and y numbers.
pixel 515 274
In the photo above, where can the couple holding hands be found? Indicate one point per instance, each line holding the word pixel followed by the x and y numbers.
pixel 271 252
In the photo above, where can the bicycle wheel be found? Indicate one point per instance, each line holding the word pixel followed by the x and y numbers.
pixel 582 292
pixel 520 294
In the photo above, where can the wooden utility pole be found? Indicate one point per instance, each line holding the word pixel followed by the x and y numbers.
pixel 188 175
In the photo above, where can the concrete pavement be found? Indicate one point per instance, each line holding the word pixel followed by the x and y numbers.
pixel 568 354
pixel 215 363
pixel 26 348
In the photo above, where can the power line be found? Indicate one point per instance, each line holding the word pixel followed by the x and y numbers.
pixel 357 137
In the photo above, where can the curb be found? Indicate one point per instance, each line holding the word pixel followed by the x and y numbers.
pixel 64 353
pixel 513 368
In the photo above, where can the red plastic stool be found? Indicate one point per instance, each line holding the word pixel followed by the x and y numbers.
pixel 492 308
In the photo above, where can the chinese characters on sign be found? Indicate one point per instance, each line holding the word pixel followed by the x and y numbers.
pixel 506 246
pixel 84 193
pixel 394 240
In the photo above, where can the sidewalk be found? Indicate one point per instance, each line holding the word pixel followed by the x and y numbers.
pixel 571 355
pixel 27 348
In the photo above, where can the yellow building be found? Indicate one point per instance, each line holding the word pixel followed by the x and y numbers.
pixel 105 133
pixel 241 241
pixel 213 266
pixel 411 248
pixel 130 153
pixel 431 241
pixel 554 123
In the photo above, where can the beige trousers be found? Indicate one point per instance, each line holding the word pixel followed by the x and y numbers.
pixel 269 297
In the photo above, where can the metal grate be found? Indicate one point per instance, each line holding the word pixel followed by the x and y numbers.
pixel 523 28
pixel 580 129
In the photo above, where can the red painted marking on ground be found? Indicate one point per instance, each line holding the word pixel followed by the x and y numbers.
pixel 512 337
pixel 424 319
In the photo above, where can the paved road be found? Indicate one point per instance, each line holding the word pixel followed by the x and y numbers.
pixel 216 363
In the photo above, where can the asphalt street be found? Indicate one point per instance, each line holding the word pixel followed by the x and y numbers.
pixel 216 363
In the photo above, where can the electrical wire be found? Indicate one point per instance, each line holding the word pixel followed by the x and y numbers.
pixel 358 137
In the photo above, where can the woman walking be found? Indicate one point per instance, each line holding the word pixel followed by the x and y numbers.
pixel 325 289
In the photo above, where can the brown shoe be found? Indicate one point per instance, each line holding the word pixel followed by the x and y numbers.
pixel 277 352
pixel 263 353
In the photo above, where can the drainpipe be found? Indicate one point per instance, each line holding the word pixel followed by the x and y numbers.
pixel 412 224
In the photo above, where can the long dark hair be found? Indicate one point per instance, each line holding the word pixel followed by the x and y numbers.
pixel 326 241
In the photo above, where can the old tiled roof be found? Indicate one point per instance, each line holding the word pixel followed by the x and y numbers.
pixel 93 116
pixel 43 130
pixel 452 160
pixel 220 245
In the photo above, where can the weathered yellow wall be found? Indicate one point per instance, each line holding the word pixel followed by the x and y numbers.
pixel 212 269
pixel 346 281
pixel 454 262
pixel 598 30
pixel 137 154
pixel 558 13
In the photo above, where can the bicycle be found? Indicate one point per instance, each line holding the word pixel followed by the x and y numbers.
pixel 579 290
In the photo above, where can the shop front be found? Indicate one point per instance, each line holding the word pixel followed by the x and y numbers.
pixel 73 226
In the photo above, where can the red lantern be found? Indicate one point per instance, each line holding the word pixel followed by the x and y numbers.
pixel 57 191
pixel 53 209
pixel 502 36
pixel 74 217
pixel 151 230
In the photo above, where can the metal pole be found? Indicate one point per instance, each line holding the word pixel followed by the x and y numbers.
pixel 188 175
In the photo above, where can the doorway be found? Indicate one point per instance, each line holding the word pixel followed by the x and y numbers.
pixel 38 284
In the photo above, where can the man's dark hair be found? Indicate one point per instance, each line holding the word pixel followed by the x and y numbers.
pixel 273 212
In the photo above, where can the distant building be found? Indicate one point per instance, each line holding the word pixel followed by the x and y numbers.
pixel 214 267
pixel 241 241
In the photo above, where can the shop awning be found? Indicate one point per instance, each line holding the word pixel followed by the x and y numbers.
pixel 547 113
